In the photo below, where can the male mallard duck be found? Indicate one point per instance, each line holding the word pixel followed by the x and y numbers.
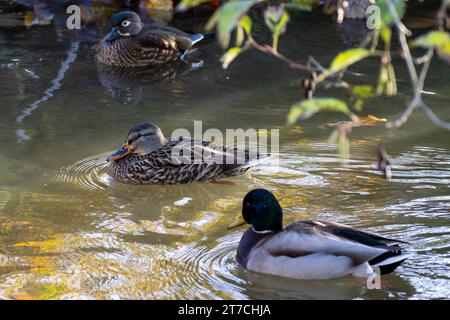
pixel 133 44
pixel 147 157
pixel 309 249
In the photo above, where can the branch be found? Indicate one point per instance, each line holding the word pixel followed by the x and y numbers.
pixel 418 81
pixel 442 15
pixel 269 50
pixel 418 90
pixel 433 117
pixel 402 33
pixel 316 64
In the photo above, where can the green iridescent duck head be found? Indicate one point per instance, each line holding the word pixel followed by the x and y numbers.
pixel 124 24
pixel 141 139
pixel 261 209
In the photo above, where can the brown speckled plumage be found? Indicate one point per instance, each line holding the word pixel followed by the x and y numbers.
pixel 157 167
pixel 131 52
pixel 138 45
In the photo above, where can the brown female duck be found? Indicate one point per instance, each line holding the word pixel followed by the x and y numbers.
pixel 147 157
pixel 133 44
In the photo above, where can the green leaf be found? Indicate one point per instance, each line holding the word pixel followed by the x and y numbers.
pixel 239 36
pixel 444 52
pixel 280 28
pixel 246 23
pixel 387 82
pixel 229 56
pixel 307 108
pixel 363 91
pixel 438 40
pixel 347 58
pixel 227 17
pixel 386 16
pixel 187 4
pixel 276 19
pixel 433 39
pixel 358 104
pixel 386 33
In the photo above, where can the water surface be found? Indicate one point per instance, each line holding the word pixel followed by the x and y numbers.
pixel 68 231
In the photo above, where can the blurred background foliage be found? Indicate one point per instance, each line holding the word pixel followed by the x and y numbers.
pixel 233 22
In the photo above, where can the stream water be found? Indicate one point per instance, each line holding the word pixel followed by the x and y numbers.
pixel 68 231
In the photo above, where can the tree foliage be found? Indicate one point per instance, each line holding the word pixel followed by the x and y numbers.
pixel 232 19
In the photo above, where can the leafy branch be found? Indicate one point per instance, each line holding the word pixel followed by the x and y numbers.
pixel 233 19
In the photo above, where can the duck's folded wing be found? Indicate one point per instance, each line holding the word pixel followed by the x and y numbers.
pixel 164 39
pixel 341 230
pixel 189 151
pixel 302 239
pixel 173 30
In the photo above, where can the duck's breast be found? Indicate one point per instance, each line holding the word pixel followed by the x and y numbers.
pixel 123 52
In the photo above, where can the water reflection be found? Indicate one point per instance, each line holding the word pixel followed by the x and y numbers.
pixel 127 84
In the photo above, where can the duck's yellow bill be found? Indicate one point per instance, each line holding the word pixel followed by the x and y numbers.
pixel 119 154
pixel 237 223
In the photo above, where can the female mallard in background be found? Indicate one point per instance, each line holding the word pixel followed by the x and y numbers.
pixel 309 249
pixel 133 44
pixel 147 157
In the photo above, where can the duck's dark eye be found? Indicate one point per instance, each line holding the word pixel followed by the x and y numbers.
pixel 125 23
pixel 131 140
pixel 140 135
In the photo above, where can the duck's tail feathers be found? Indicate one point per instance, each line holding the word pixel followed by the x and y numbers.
pixel 250 161
pixel 196 38
pixel 389 261
pixel 260 157
pixel 209 36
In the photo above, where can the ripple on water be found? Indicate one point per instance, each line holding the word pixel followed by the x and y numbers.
pixel 429 207
pixel 88 173
pixel 189 271
pixel 215 266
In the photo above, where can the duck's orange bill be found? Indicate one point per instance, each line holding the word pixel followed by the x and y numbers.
pixel 124 151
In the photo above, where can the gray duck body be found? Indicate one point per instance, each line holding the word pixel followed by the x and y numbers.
pixel 309 249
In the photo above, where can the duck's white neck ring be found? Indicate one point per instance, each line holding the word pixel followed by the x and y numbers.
pixel 262 232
